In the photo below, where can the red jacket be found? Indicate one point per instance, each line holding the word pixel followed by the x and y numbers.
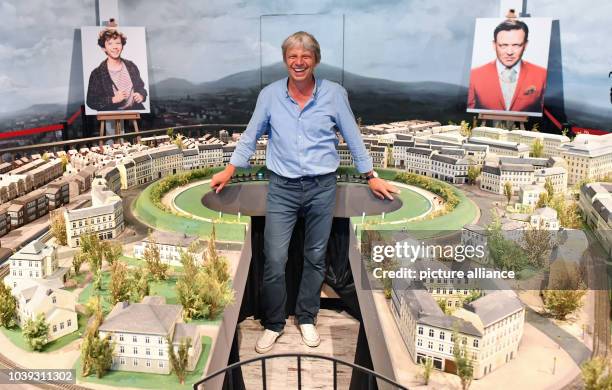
pixel 485 90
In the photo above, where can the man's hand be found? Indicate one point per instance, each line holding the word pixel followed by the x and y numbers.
pixel 119 97
pixel 219 180
pixel 138 98
pixel 382 189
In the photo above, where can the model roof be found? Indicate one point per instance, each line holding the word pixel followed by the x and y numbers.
pixel 142 318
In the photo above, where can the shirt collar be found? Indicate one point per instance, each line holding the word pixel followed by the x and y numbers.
pixel 314 91
pixel 501 67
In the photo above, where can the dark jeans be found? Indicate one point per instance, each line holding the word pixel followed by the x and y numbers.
pixel 315 199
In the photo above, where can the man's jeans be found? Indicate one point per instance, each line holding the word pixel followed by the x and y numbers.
pixel 315 198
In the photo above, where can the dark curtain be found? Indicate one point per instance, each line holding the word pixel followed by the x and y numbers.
pixel 339 277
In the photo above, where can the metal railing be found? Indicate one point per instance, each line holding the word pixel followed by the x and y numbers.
pixel 371 375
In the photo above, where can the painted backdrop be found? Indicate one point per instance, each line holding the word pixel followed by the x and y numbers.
pixel 399 59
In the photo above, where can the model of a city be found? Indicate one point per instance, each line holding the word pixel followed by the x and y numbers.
pixel 115 264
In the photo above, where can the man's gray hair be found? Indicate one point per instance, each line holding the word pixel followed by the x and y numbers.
pixel 305 40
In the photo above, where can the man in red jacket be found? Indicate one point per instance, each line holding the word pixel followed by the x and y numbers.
pixel 508 83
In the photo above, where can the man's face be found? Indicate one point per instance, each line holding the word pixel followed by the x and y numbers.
pixel 509 46
pixel 300 63
pixel 113 47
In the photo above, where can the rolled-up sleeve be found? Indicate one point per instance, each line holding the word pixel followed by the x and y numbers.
pixel 258 125
pixel 345 120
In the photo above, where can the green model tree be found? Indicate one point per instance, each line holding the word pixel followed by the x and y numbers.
pixel 473 173
pixel 549 187
pixel 36 332
pixel 537 245
pixel 179 360
pixel 157 269
pixel 427 366
pixel 112 251
pixel 96 352
pixel 537 149
pixel 139 282
pixel 120 284
pixel 508 191
pixel 465 369
pixel 77 261
pixel 566 287
pixel 57 226
pixel 597 374
pixel 542 200
pixel 204 291
pixel 8 307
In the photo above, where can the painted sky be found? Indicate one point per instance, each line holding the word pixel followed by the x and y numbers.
pixel 402 40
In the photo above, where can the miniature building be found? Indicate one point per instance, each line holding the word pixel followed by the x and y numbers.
pixel 490 328
pixel 58 307
pixel 141 331
pixel 104 216
pixel 587 157
pixel 29 207
pixel 596 205
pixel 530 194
pixel 35 261
pixel 545 218
pixel 5 220
pixel 170 246
pixel 502 148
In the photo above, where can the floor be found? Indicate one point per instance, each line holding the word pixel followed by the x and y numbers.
pixel 338 333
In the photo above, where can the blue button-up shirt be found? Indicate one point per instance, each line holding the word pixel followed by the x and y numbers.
pixel 302 142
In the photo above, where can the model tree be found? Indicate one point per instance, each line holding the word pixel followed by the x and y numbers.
pixel 8 307
pixel 466 129
pixel 96 353
pixel 204 291
pixel 505 254
pixel 537 245
pixel 427 365
pixel 112 251
pixel 58 226
pixel 35 332
pixel 597 374
pixel 473 173
pixel 120 287
pixel 549 187
pixel 566 289
pixel 542 200
pixel 189 288
pixel 77 261
pixel 508 191
pixel 179 360
pixel 465 369
pixel 156 267
pixel 139 282
pixel 537 149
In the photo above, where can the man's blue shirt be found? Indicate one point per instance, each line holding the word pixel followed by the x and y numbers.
pixel 302 142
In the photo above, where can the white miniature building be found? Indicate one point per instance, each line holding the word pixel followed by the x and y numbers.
pixel 104 216
pixel 530 194
pixel 170 246
pixel 58 307
pixel 490 328
pixel 596 205
pixel 140 332
pixel 36 261
pixel 544 218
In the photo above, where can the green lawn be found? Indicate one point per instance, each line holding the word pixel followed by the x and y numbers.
pixel 190 201
pixel 159 219
pixel 122 379
pixel 17 338
pixel 413 205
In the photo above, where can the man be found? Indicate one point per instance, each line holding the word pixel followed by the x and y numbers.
pixel 115 84
pixel 508 83
pixel 300 115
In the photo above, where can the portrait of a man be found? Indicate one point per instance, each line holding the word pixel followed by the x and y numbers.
pixel 115 83
pixel 509 82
